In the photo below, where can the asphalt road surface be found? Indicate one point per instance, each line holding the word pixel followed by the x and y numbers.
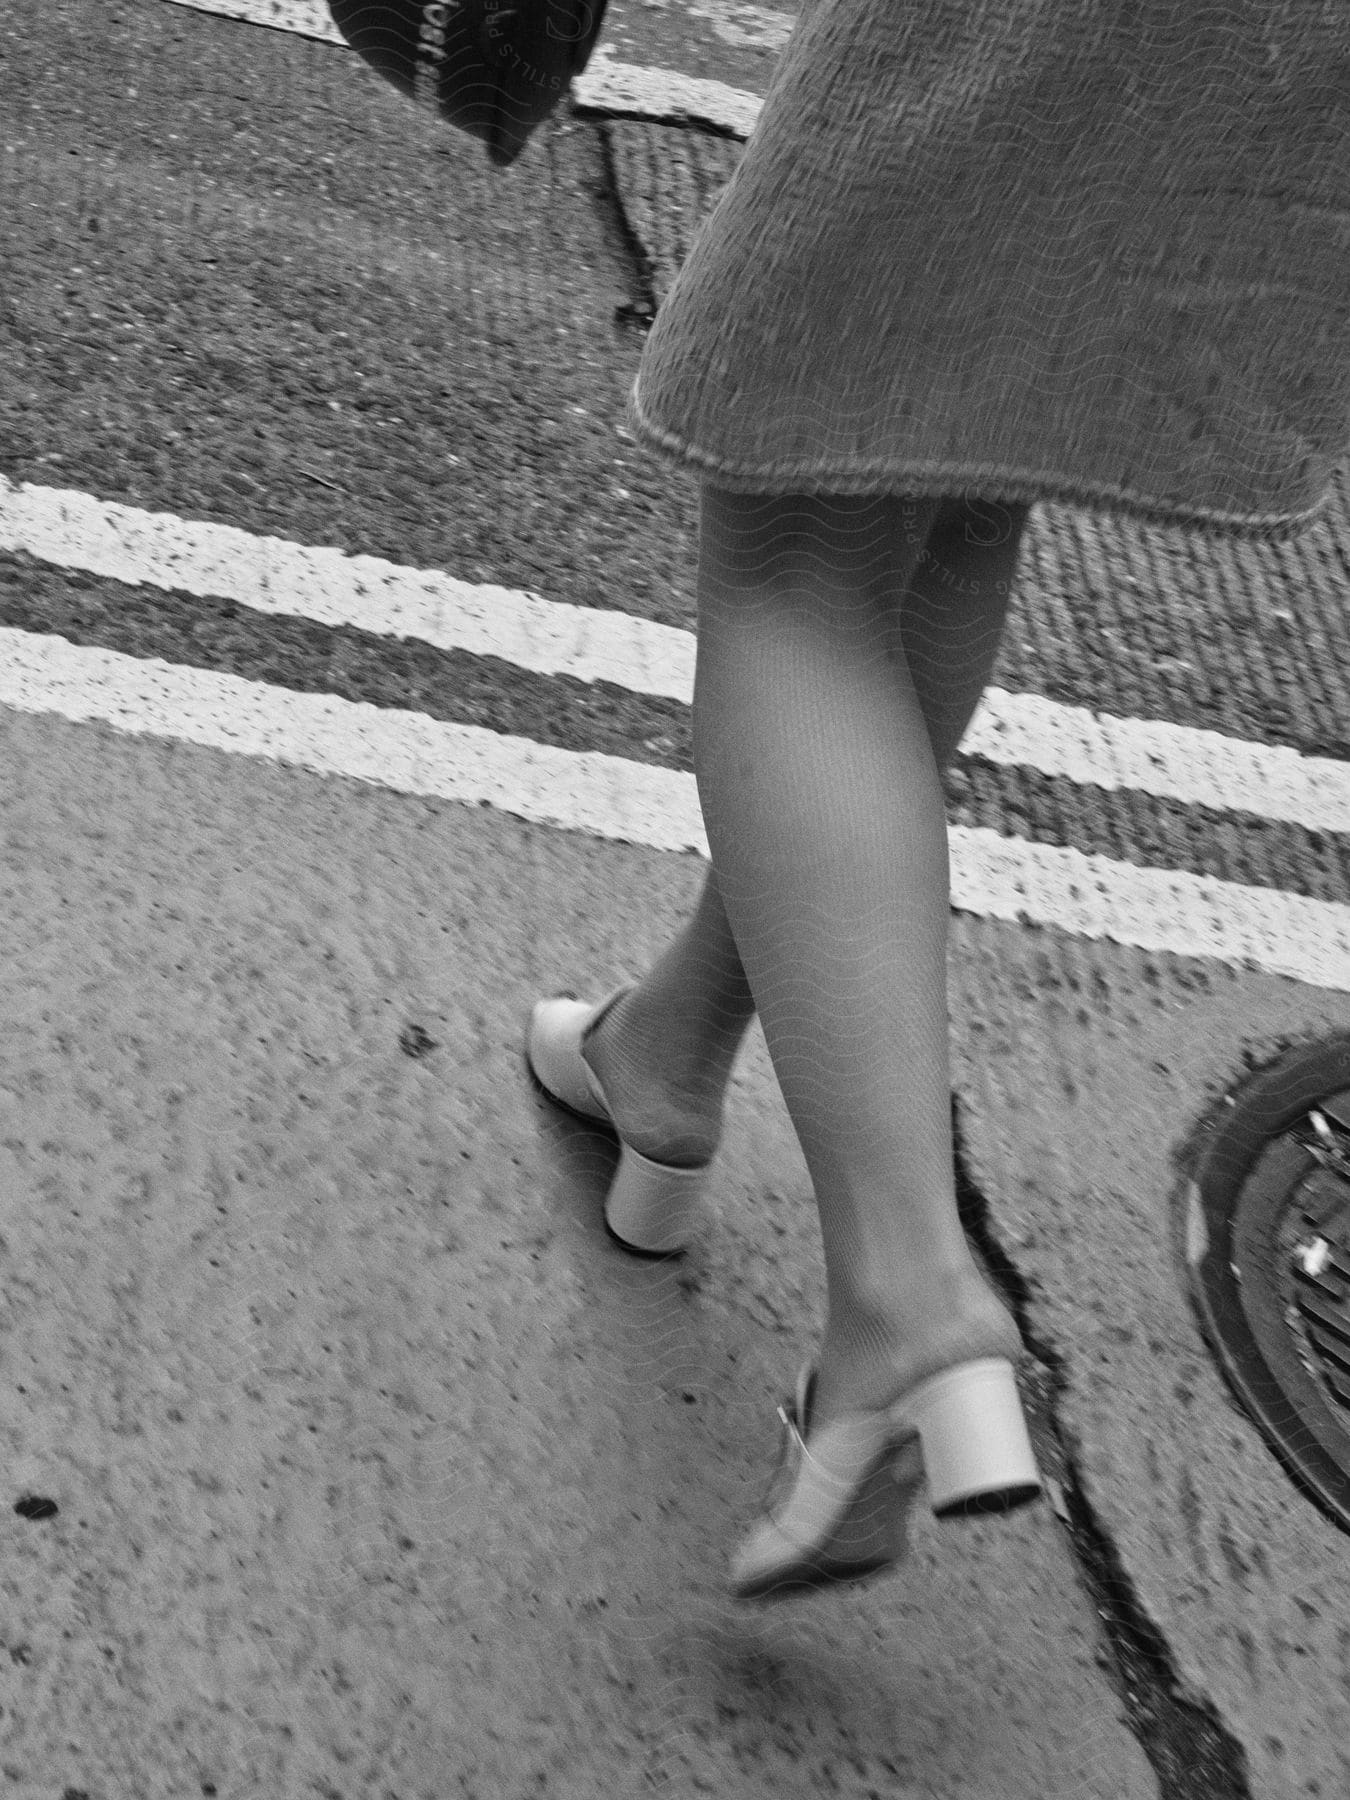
pixel 345 659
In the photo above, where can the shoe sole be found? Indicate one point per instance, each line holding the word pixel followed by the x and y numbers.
pixel 809 1577
pixel 977 1505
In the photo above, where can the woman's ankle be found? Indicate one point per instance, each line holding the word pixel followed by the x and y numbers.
pixel 688 1040
pixel 874 1352
pixel 666 1095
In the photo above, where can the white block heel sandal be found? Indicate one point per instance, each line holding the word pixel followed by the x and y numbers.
pixel 652 1207
pixel 848 1488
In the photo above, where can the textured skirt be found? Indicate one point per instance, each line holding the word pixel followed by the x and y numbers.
pixel 1088 250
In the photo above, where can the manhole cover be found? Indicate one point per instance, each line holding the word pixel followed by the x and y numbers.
pixel 1268 1253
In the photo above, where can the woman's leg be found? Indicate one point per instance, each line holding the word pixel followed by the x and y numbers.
pixel 825 816
pixel 664 1054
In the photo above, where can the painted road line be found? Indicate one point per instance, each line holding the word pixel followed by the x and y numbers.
pixel 1179 763
pixel 307 18
pixel 621 90
pixel 273 575
pixel 408 752
pixel 609 797
pixel 663 96
pixel 1153 756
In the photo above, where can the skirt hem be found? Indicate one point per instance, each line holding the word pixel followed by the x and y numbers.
pixel 991 481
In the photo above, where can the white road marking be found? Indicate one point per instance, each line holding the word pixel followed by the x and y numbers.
pixel 753 27
pixel 626 90
pixel 1152 756
pixel 609 797
pixel 307 18
pixel 409 752
pixel 273 575
pixel 663 96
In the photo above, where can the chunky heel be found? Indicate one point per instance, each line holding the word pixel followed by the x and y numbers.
pixel 652 1207
pixel 976 1451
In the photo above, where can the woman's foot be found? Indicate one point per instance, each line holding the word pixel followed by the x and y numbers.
pixel 838 1506
pixel 939 1409
pixel 666 1099
pixel 652 1202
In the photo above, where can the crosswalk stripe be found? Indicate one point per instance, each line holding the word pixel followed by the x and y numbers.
pixel 408 752
pixel 1157 910
pixel 625 90
pixel 273 575
pixel 1153 756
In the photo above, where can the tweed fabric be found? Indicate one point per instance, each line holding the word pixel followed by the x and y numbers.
pixel 1087 250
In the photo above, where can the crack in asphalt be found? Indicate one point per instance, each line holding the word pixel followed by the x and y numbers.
pixel 641 269
pixel 1189 1748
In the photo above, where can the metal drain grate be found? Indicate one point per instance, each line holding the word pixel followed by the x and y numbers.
pixel 1319 1258
pixel 1268 1256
